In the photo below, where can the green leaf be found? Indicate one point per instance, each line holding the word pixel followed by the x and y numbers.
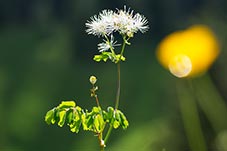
pixel 120 58
pixel 116 124
pixel 104 56
pixel 49 116
pixel 117 119
pixel 87 121
pixel 98 58
pixel 66 104
pixel 84 122
pixel 124 121
pixel 96 110
pixel 62 117
pixel 99 123
pixel 75 126
pixel 69 116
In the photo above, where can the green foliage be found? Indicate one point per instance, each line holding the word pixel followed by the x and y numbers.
pixel 116 118
pixel 104 56
pixel 67 113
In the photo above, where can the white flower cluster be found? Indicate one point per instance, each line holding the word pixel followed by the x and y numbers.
pixel 122 21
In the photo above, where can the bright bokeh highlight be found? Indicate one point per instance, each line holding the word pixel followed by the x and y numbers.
pixel 180 66
pixel 188 52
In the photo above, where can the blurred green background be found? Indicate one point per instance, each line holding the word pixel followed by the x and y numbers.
pixel 46 57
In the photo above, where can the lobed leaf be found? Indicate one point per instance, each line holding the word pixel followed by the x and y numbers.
pixel 62 117
pixel 99 123
pixel 124 122
pixel 49 116
pixel 66 104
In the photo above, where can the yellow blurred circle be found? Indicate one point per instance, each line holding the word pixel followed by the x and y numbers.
pixel 197 42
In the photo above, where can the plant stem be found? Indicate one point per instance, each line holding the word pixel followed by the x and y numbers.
pixel 108 133
pixel 190 117
pixel 102 148
pixel 119 76
pixel 123 46
pixel 97 100
pixel 118 88
pixel 93 94
pixel 117 99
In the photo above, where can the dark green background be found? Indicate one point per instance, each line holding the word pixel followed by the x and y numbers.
pixel 46 57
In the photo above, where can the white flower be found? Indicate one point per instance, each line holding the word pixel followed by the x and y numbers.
pixel 127 23
pixel 99 25
pixel 140 23
pixel 122 21
pixel 106 45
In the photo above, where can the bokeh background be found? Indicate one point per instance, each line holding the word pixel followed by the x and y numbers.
pixel 46 57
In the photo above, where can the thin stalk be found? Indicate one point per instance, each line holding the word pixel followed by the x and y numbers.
pixel 97 101
pixel 95 95
pixel 119 76
pixel 123 46
pixel 118 88
pixel 108 134
pixel 117 99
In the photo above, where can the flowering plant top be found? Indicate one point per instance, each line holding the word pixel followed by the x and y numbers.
pixel 122 21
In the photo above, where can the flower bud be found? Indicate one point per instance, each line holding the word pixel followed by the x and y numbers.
pixel 93 79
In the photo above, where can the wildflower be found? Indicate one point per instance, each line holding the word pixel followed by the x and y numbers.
pixel 106 45
pixel 189 52
pixel 122 21
pixel 127 24
pixel 100 25
pixel 140 23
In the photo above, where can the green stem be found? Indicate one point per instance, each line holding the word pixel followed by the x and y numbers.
pixel 118 88
pixel 102 148
pixel 123 46
pixel 97 101
pixel 108 133
pixel 117 99
pixel 190 117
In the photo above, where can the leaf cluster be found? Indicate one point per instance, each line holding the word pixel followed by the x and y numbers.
pixel 104 56
pixel 67 113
